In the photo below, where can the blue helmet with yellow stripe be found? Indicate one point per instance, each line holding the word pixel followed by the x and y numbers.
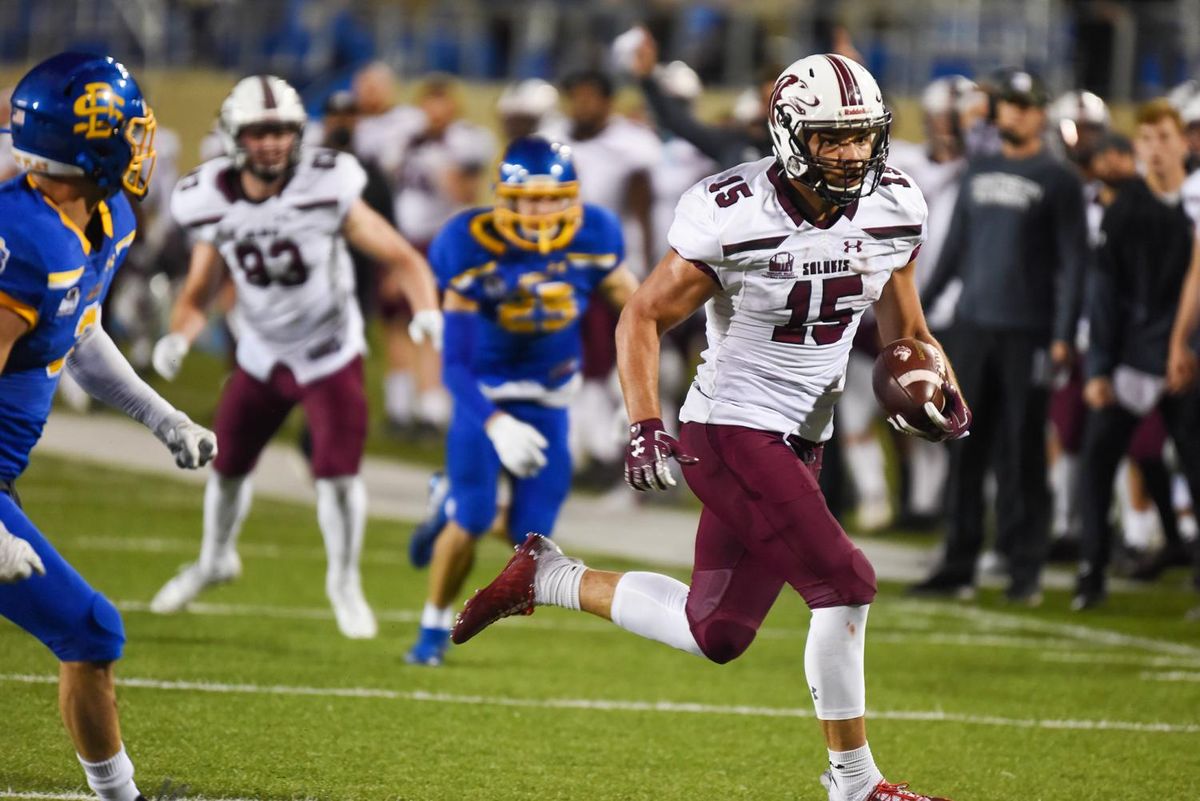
pixel 537 195
pixel 81 114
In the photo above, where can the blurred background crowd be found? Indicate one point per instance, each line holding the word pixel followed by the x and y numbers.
pixel 426 92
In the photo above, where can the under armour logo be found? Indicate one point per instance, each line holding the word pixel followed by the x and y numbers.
pixel 636 447
pixel 814 692
pixel 852 244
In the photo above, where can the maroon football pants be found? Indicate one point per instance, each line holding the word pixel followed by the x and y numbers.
pixel 251 411
pixel 764 524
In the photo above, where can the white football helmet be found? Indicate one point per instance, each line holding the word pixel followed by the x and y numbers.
pixel 829 93
pixel 1190 113
pixel 259 100
pixel 951 94
pixel 531 97
pixel 1183 93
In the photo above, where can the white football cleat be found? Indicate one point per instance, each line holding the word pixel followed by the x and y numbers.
pixel 191 580
pixel 354 616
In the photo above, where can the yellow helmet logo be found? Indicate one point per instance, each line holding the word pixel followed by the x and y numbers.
pixel 98 107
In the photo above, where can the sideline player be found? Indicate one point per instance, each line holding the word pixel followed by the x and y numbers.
pixel 279 217
pixel 518 279
pixel 84 132
pixel 788 252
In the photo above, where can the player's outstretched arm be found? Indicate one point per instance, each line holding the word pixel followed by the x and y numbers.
pixel 899 315
pixel 369 233
pixel 672 293
pixel 189 315
pixel 98 366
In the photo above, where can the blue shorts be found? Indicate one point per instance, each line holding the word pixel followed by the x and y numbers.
pixel 61 609
pixel 474 468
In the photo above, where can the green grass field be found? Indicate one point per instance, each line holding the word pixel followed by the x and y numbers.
pixel 256 695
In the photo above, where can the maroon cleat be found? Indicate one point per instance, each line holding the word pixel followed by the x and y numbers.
pixel 510 593
pixel 898 792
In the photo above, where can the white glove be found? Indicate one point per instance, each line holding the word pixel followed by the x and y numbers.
pixel 192 445
pixel 427 325
pixel 168 355
pixel 519 445
pixel 18 560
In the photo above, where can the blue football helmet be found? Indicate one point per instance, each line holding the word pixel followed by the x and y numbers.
pixel 537 195
pixel 80 114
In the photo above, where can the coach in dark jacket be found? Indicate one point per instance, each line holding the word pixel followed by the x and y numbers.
pixel 1141 267
pixel 1018 241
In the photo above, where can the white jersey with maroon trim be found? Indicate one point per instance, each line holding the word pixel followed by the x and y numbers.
pixel 938 182
pixel 423 202
pixel 294 277
pixel 605 163
pixel 790 294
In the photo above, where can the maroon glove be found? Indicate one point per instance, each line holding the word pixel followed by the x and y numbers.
pixel 646 456
pixel 953 422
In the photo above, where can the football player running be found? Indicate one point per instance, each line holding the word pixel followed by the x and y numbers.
pixel 84 132
pixel 277 217
pixel 787 252
pixel 517 280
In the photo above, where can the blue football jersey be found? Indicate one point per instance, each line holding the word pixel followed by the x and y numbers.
pixel 530 304
pixel 53 276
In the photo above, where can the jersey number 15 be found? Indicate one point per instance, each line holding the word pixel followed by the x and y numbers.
pixel 830 322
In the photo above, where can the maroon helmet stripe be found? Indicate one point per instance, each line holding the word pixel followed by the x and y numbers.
pixel 837 70
pixel 851 92
pixel 268 95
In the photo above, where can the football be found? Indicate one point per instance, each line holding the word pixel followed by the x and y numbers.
pixel 909 373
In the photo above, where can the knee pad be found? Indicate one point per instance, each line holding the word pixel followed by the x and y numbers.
pixel 99 636
pixel 723 639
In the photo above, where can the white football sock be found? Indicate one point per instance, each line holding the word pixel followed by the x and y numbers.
pixel 437 617
pixel 652 606
pixel 928 468
pixel 833 661
pixel 112 779
pixel 226 504
pixel 854 772
pixel 399 393
pixel 557 579
pixel 865 460
pixel 342 515
pixel 1064 486
pixel 433 407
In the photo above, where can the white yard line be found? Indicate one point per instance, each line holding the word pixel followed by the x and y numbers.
pixel 1088 634
pixel 904 634
pixel 1120 659
pixel 1172 675
pixel 615 705
pixel 34 794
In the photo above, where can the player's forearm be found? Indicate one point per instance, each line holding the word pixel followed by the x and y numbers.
pixel 637 362
pixel 188 319
pixel 416 282
pixel 458 377
pixel 101 369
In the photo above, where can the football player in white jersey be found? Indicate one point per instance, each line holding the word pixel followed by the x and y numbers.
pixel 440 169
pixel 936 167
pixel 276 217
pixel 787 252
pixel 614 156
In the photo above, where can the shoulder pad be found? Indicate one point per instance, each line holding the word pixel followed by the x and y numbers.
pixel 204 195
